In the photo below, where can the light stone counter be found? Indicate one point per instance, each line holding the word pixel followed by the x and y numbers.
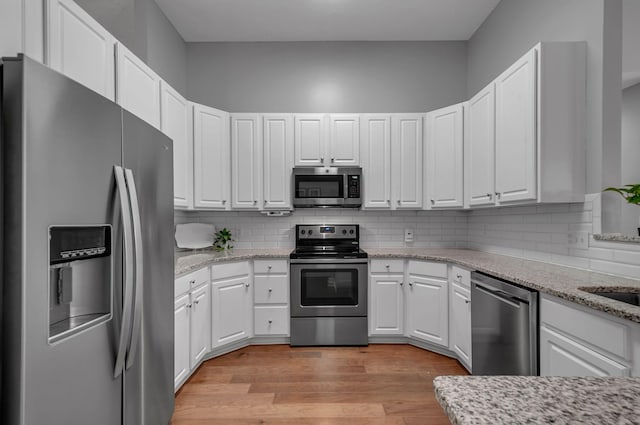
pixel 538 400
pixel 563 282
pixel 192 260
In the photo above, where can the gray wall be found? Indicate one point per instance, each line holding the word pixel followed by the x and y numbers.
pixel 515 26
pixel 327 76
pixel 144 29
pixel 630 153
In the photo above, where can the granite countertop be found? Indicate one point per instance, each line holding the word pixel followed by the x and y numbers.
pixel 190 260
pixel 563 282
pixel 536 400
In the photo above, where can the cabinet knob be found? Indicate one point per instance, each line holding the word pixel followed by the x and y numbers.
pixel 322 159
pixel 459 276
pixel 265 202
pixel 490 196
pixel 255 202
pixel 224 201
pixel 398 201
pixel 192 282
pixel 246 285
pixel 188 305
pixel 270 290
pixel 196 302
pixel 389 201
pixel 433 202
pixel 401 283
pixel 467 301
pixel 497 195
pixel 270 321
pixel 269 266
pixel 332 160
pixel 386 265
pixel 411 284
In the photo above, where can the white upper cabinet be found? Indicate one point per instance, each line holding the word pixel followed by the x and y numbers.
pixel 406 166
pixel 176 124
pixel 79 47
pixel 344 141
pixel 479 136
pixel 138 89
pixel 376 160
pixel 246 162
pixel 309 138
pixel 527 142
pixel 211 158
pixel 277 145
pixel 327 140
pixel 444 157
pixel 515 141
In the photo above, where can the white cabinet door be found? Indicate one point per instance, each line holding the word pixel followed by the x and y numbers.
pixel 460 323
pixel 277 136
pixel 175 123
pixel 211 158
pixel 516 131
pixel 79 47
pixel 444 158
pixel 181 340
pixel 344 140
pixel 387 305
pixel 562 356
pixel 200 324
pixel 246 162
pixel 232 310
pixel 406 166
pixel 479 144
pixel 138 89
pixel 428 313
pixel 309 139
pixel 376 160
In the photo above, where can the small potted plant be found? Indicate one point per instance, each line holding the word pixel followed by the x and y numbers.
pixel 631 194
pixel 223 240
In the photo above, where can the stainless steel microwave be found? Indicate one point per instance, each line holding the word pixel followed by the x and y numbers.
pixel 327 187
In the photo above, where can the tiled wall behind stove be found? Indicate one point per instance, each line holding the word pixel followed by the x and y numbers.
pixel 378 229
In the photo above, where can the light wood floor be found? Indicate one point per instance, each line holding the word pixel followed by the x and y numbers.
pixel 277 384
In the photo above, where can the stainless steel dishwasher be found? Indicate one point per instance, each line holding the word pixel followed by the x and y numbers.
pixel 504 327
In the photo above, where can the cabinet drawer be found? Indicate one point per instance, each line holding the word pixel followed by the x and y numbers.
pixel 461 276
pixel 271 289
pixel 270 266
pixel 387 266
pixel 191 280
pixel 590 327
pixel 271 320
pixel 428 268
pixel 229 270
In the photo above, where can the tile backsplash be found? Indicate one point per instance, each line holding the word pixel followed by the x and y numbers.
pixel 555 233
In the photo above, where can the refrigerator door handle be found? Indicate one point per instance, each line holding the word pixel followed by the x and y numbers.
pixel 139 265
pixel 125 326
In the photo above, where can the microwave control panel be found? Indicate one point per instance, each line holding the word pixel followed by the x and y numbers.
pixel 353 182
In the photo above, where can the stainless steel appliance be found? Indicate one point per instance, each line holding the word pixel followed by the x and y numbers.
pixel 504 327
pixel 87 322
pixel 328 286
pixel 327 187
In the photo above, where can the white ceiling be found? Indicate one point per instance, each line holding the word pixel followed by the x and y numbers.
pixel 326 20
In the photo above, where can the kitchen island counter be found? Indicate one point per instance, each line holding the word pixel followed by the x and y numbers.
pixel 538 400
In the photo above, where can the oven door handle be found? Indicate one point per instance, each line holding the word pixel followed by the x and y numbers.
pixel 328 261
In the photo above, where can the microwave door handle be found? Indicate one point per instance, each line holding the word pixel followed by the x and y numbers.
pixel 139 276
pixel 125 326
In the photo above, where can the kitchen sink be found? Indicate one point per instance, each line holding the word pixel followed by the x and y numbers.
pixel 632 298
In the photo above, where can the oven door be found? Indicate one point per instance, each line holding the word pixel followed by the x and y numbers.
pixel 328 289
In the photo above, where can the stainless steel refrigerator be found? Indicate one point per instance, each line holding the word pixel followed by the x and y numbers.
pixel 87 257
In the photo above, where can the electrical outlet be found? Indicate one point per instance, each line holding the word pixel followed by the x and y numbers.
pixel 579 240
pixel 408 235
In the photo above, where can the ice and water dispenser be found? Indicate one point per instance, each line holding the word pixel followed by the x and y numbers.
pixel 80 278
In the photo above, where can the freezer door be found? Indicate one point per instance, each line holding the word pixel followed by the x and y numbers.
pixel 62 143
pixel 148 394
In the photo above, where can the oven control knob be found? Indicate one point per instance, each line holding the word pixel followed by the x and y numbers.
pixel 310 231
pixel 351 232
pixel 344 231
pixel 302 232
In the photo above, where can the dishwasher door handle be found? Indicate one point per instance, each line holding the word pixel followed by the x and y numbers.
pixel 501 295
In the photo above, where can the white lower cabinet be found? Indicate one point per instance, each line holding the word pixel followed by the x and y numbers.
pixel 192 323
pixel 460 315
pixel 386 298
pixel 271 297
pixel 231 303
pixel 427 302
pixel 578 341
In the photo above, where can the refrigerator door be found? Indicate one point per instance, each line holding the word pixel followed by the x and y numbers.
pixel 61 143
pixel 148 393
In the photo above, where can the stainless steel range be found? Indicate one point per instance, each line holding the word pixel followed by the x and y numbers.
pixel 328 286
